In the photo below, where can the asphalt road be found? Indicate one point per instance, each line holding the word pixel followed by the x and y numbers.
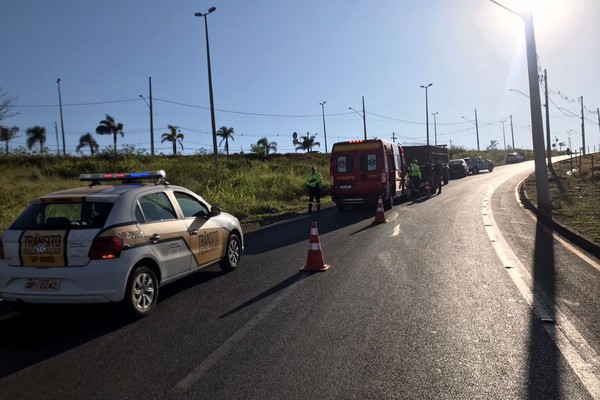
pixel 457 296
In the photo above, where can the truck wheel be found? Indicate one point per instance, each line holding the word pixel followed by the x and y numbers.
pixel 388 203
pixel 491 168
pixel 475 170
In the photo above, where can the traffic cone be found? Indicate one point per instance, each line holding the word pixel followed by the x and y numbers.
pixel 380 216
pixel 314 260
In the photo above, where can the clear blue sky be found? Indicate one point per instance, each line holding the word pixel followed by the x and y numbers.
pixel 274 61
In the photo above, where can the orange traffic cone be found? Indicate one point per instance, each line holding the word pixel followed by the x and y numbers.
pixel 380 216
pixel 314 260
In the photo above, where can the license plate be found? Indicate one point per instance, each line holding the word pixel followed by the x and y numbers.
pixel 345 187
pixel 42 284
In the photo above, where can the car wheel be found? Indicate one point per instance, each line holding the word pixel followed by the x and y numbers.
pixel 491 168
pixel 475 171
pixel 142 292
pixel 233 253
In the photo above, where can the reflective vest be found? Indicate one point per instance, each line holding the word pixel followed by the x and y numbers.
pixel 415 171
pixel 314 179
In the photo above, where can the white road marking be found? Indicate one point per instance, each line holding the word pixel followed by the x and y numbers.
pixel 396 231
pixel 582 357
pixel 187 382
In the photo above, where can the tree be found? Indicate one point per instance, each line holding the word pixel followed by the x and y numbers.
pixel 109 126
pixel 7 105
pixel 174 137
pixel 305 143
pixel 7 134
pixel 36 134
pixel 493 145
pixel 263 147
pixel 225 133
pixel 87 140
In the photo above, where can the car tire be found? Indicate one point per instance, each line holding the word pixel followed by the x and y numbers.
pixel 475 171
pixel 141 294
pixel 491 168
pixel 233 253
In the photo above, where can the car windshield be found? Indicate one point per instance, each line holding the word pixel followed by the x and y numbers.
pixel 78 215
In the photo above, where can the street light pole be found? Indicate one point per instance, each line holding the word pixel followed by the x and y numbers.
pixel 435 126
pixel 62 123
pixel 512 133
pixel 503 134
pixel 210 88
pixel 324 128
pixel 151 117
pixel 537 126
pixel 426 111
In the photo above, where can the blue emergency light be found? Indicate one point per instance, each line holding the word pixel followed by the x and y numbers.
pixel 123 176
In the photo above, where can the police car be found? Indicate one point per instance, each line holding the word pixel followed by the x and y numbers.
pixel 116 240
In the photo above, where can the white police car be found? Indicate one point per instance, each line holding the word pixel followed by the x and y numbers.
pixel 114 242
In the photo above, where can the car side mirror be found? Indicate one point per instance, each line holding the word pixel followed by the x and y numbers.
pixel 214 211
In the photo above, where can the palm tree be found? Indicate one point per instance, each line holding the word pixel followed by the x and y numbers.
pixel 269 146
pixel 493 145
pixel 225 133
pixel 306 143
pixel 7 134
pixel 109 126
pixel 173 137
pixel 87 140
pixel 36 134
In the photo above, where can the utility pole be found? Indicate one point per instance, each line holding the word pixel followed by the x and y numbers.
pixel 512 132
pixel 62 123
pixel 477 130
pixel 57 144
pixel 435 126
pixel 598 112
pixel 548 145
pixel 364 118
pixel 582 128
pixel 394 137
pixel 324 128
pixel 151 118
pixel 503 134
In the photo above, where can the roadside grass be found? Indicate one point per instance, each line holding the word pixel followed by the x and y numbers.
pixel 250 188
pixel 575 194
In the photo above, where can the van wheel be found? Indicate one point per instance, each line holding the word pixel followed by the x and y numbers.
pixel 233 253
pixel 142 292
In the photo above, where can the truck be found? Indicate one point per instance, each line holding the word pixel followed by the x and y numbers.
pixel 425 156
pixel 478 163
pixel 363 170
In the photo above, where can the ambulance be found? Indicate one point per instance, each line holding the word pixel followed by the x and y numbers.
pixel 363 170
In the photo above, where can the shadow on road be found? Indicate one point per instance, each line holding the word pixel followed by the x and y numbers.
pixel 543 354
pixel 298 230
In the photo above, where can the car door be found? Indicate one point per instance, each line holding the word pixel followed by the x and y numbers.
pixel 207 236
pixel 167 235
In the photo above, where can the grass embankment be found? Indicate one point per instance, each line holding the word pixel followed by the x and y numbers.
pixel 247 187
pixel 574 194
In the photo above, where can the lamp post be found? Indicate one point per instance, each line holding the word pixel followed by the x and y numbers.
pixel 541 175
pixel 62 123
pixel 503 134
pixel 324 128
pixel 512 133
pixel 210 88
pixel 435 126
pixel 363 116
pixel 151 116
pixel 476 127
pixel 427 110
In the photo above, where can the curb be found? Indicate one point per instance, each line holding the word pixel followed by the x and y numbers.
pixel 578 240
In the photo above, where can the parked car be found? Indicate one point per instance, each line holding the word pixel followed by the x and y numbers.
pixel 458 168
pixel 512 158
pixel 114 242
pixel 478 163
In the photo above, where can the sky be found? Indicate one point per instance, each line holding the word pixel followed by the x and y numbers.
pixel 273 62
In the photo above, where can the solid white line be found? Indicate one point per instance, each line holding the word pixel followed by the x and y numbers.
pixel 187 382
pixel 583 360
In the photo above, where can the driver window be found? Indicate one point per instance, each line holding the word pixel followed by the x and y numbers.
pixel 190 206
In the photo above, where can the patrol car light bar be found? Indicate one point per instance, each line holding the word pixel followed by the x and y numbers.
pixel 126 176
